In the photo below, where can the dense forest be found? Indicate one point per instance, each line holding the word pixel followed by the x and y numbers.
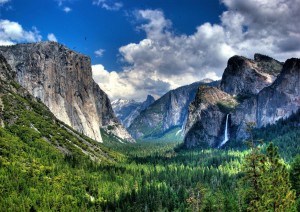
pixel 41 171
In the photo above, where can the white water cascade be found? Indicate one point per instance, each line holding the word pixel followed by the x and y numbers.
pixel 225 133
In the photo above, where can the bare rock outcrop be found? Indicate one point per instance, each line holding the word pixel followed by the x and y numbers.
pixel 245 77
pixel 274 102
pixel 167 113
pixel 62 80
pixel 207 116
pixel 262 91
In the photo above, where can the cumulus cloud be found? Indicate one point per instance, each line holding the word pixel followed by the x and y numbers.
pixel 111 82
pixel 52 37
pixel 12 32
pixel 99 52
pixel 67 9
pixel 108 5
pixel 164 60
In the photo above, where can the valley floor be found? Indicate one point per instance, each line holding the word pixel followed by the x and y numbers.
pixel 150 177
pixel 43 168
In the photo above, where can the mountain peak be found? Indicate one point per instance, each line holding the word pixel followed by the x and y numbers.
pixel 149 98
pixel 244 76
pixel 259 57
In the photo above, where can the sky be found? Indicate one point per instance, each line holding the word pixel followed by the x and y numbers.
pixel 141 47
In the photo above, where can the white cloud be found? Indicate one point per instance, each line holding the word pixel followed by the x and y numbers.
pixel 164 60
pixel 12 32
pixel 108 4
pixel 111 82
pixel 67 9
pixel 52 37
pixel 99 52
pixel 3 1
pixel 61 5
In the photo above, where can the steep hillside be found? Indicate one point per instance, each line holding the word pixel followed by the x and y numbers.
pixel 62 80
pixel 30 120
pixel 166 114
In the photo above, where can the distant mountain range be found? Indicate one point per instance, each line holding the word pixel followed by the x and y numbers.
pixel 128 110
pixel 165 118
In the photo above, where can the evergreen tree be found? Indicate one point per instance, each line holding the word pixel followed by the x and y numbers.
pixel 253 169
pixel 295 174
pixel 295 178
pixel 274 182
pixel 266 185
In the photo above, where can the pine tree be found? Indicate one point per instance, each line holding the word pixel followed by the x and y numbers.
pixel 253 169
pixel 295 178
pixel 295 175
pixel 266 185
pixel 274 182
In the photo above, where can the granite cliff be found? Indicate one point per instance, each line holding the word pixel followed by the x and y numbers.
pixel 27 118
pixel 166 117
pixel 262 91
pixel 62 80
pixel 206 117
pixel 244 76
pixel 279 100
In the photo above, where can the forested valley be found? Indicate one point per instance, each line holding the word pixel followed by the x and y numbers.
pixel 262 174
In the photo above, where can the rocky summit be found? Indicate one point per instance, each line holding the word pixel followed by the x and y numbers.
pixel 244 76
pixel 62 80
pixel 261 91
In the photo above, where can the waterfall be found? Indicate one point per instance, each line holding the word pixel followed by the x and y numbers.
pixel 225 133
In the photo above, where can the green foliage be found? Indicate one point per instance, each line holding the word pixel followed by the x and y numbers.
pixel 47 166
pixel 15 85
pixel 242 97
pixel 253 169
pixel 285 134
pixel 274 182
pixel 227 106
pixel 266 185
pixel 295 174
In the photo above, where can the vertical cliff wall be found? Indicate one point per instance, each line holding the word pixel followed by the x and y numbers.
pixel 62 80
pixel 262 91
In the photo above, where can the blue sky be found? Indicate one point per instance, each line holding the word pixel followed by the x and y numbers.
pixel 85 26
pixel 141 47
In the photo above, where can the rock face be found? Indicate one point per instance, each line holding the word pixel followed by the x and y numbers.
pixel 207 117
pixel 6 77
pixel 246 77
pixel 167 113
pixel 62 80
pixel 266 97
pixel 128 110
pixel 277 101
pixel 5 71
